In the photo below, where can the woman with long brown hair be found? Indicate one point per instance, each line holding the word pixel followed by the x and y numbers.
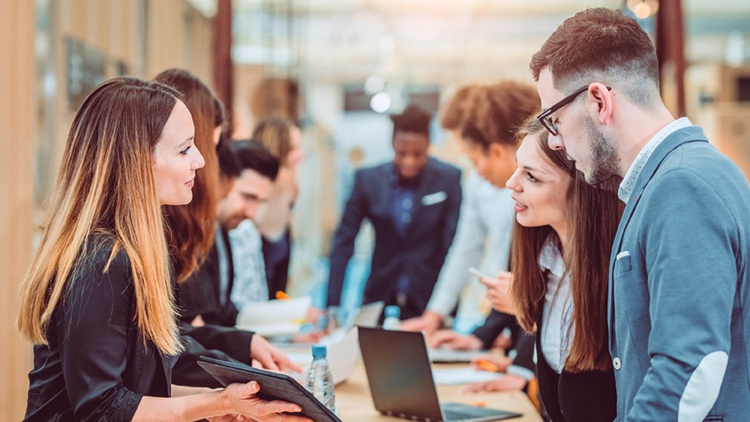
pixel 560 251
pixel 97 300
pixel 192 224
pixel 192 230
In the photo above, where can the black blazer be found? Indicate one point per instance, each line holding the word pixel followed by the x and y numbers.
pixel 199 295
pixel 419 253
pixel 572 397
pixel 96 365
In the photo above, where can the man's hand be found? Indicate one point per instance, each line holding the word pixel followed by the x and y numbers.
pixel 498 292
pixel 497 363
pixel 269 357
pixel 452 340
pixel 429 322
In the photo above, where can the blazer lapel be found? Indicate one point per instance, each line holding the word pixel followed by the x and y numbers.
pixel 672 142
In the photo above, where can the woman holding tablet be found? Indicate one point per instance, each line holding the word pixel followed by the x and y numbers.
pixel 98 298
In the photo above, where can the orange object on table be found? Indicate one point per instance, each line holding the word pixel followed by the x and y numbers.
pixel 281 295
pixel 487 365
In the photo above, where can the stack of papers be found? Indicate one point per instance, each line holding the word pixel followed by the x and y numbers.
pixel 275 317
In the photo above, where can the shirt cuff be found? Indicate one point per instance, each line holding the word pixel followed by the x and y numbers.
pixel 520 371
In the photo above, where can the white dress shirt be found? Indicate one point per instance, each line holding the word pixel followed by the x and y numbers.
pixel 558 327
pixel 484 229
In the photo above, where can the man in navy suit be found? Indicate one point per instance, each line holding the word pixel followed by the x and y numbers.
pixel 413 204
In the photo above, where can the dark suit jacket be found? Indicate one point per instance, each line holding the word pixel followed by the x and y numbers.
pixel 199 295
pixel 96 365
pixel 419 253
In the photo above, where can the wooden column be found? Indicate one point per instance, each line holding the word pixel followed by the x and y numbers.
pixel 223 56
pixel 17 28
pixel 670 49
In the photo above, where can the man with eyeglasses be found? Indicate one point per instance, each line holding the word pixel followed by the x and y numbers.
pixel 680 265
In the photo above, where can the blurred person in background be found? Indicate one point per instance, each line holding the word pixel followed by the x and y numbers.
pixel 413 204
pixel 263 244
pixel 485 117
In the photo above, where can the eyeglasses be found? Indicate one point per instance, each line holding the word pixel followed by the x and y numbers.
pixel 545 119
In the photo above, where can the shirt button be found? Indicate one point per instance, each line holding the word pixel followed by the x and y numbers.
pixel 406 203
pixel 617 363
pixel 405 218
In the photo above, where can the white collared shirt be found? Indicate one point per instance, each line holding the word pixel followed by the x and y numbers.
pixel 558 307
pixel 628 182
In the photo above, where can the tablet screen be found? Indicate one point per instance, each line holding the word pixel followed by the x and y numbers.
pixel 273 386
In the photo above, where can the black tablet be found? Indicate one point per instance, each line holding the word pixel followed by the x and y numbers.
pixel 273 386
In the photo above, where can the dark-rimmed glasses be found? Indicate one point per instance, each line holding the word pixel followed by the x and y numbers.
pixel 544 117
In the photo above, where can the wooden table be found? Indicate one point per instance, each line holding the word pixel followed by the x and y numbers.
pixel 354 403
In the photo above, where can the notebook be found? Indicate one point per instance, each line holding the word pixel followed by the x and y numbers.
pixel 401 382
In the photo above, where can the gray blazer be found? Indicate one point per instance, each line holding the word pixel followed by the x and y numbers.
pixel 679 286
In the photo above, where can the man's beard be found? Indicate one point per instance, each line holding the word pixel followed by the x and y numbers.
pixel 604 159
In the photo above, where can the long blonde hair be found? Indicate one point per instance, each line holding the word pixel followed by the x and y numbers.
pixel 106 185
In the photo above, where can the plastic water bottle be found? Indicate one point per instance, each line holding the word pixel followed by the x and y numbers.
pixel 392 319
pixel 319 378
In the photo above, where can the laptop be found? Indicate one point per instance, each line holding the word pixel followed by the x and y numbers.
pixel 401 382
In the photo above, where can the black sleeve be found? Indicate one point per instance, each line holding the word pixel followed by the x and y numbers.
pixel 493 326
pixel 186 370
pixel 93 326
pixel 229 340
pixel 197 295
pixel 524 345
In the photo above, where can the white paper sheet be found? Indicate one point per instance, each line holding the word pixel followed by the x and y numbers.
pixel 452 376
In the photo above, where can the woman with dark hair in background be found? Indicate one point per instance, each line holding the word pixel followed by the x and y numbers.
pixel 193 229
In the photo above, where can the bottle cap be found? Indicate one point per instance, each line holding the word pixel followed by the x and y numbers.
pixel 392 311
pixel 318 351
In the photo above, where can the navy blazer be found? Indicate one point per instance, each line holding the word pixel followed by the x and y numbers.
pixel 419 253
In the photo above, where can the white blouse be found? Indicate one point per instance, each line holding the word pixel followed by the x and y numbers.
pixel 558 307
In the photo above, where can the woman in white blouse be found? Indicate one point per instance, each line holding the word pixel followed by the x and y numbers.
pixel 560 254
